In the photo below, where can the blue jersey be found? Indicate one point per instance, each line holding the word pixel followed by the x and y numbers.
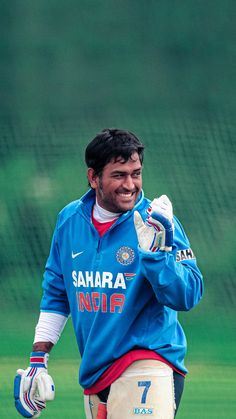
pixel 120 297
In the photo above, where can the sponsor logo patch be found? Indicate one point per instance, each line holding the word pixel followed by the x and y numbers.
pixel 143 411
pixel 184 255
pixel 125 255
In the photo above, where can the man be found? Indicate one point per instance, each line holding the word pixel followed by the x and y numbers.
pixel 122 267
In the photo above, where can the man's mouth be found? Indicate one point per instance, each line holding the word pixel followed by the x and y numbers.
pixel 126 194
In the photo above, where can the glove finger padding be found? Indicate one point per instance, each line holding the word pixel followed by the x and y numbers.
pixel 33 386
pixel 45 387
pixel 165 234
pixel 161 215
pixel 148 235
pixel 24 401
pixel 162 205
pixel 157 231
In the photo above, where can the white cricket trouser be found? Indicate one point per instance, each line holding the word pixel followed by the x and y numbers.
pixel 145 388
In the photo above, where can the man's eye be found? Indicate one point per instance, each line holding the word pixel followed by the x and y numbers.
pixel 117 175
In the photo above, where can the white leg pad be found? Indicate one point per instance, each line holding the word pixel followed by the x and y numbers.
pixel 146 388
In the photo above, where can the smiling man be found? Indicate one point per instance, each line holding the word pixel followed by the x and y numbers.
pixel 116 177
pixel 114 266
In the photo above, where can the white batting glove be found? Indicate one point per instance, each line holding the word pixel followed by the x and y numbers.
pixel 33 386
pixel 156 233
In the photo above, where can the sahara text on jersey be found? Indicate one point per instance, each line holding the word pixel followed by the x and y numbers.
pixel 90 279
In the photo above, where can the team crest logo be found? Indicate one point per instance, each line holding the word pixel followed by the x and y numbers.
pixel 125 255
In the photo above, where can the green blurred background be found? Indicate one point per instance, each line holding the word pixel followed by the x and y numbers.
pixel 165 70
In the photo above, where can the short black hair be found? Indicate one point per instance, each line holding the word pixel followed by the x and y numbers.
pixel 109 144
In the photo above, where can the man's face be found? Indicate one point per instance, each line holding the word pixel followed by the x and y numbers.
pixel 119 185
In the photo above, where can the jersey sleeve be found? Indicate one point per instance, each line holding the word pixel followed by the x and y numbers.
pixel 174 276
pixel 54 293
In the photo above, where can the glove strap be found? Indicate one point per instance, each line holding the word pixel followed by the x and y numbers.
pixel 39 359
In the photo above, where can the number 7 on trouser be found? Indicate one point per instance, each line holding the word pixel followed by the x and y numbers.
pixel 145 388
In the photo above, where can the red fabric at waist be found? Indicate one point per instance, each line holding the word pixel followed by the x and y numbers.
pixel 121 364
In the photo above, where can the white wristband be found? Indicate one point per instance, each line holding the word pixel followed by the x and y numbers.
pixel 49 327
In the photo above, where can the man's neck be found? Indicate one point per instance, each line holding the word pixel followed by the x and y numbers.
pixel 102 215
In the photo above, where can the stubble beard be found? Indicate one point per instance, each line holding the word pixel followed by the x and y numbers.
pixel 110 203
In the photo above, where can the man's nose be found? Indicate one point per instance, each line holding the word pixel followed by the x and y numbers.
pixel 128 182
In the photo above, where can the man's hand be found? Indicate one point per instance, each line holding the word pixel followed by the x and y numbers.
pixel 157 231
pixel 33 386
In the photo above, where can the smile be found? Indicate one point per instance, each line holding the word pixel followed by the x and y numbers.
pixel 126 194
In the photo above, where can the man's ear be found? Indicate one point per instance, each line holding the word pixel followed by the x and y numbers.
pixel 92 178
